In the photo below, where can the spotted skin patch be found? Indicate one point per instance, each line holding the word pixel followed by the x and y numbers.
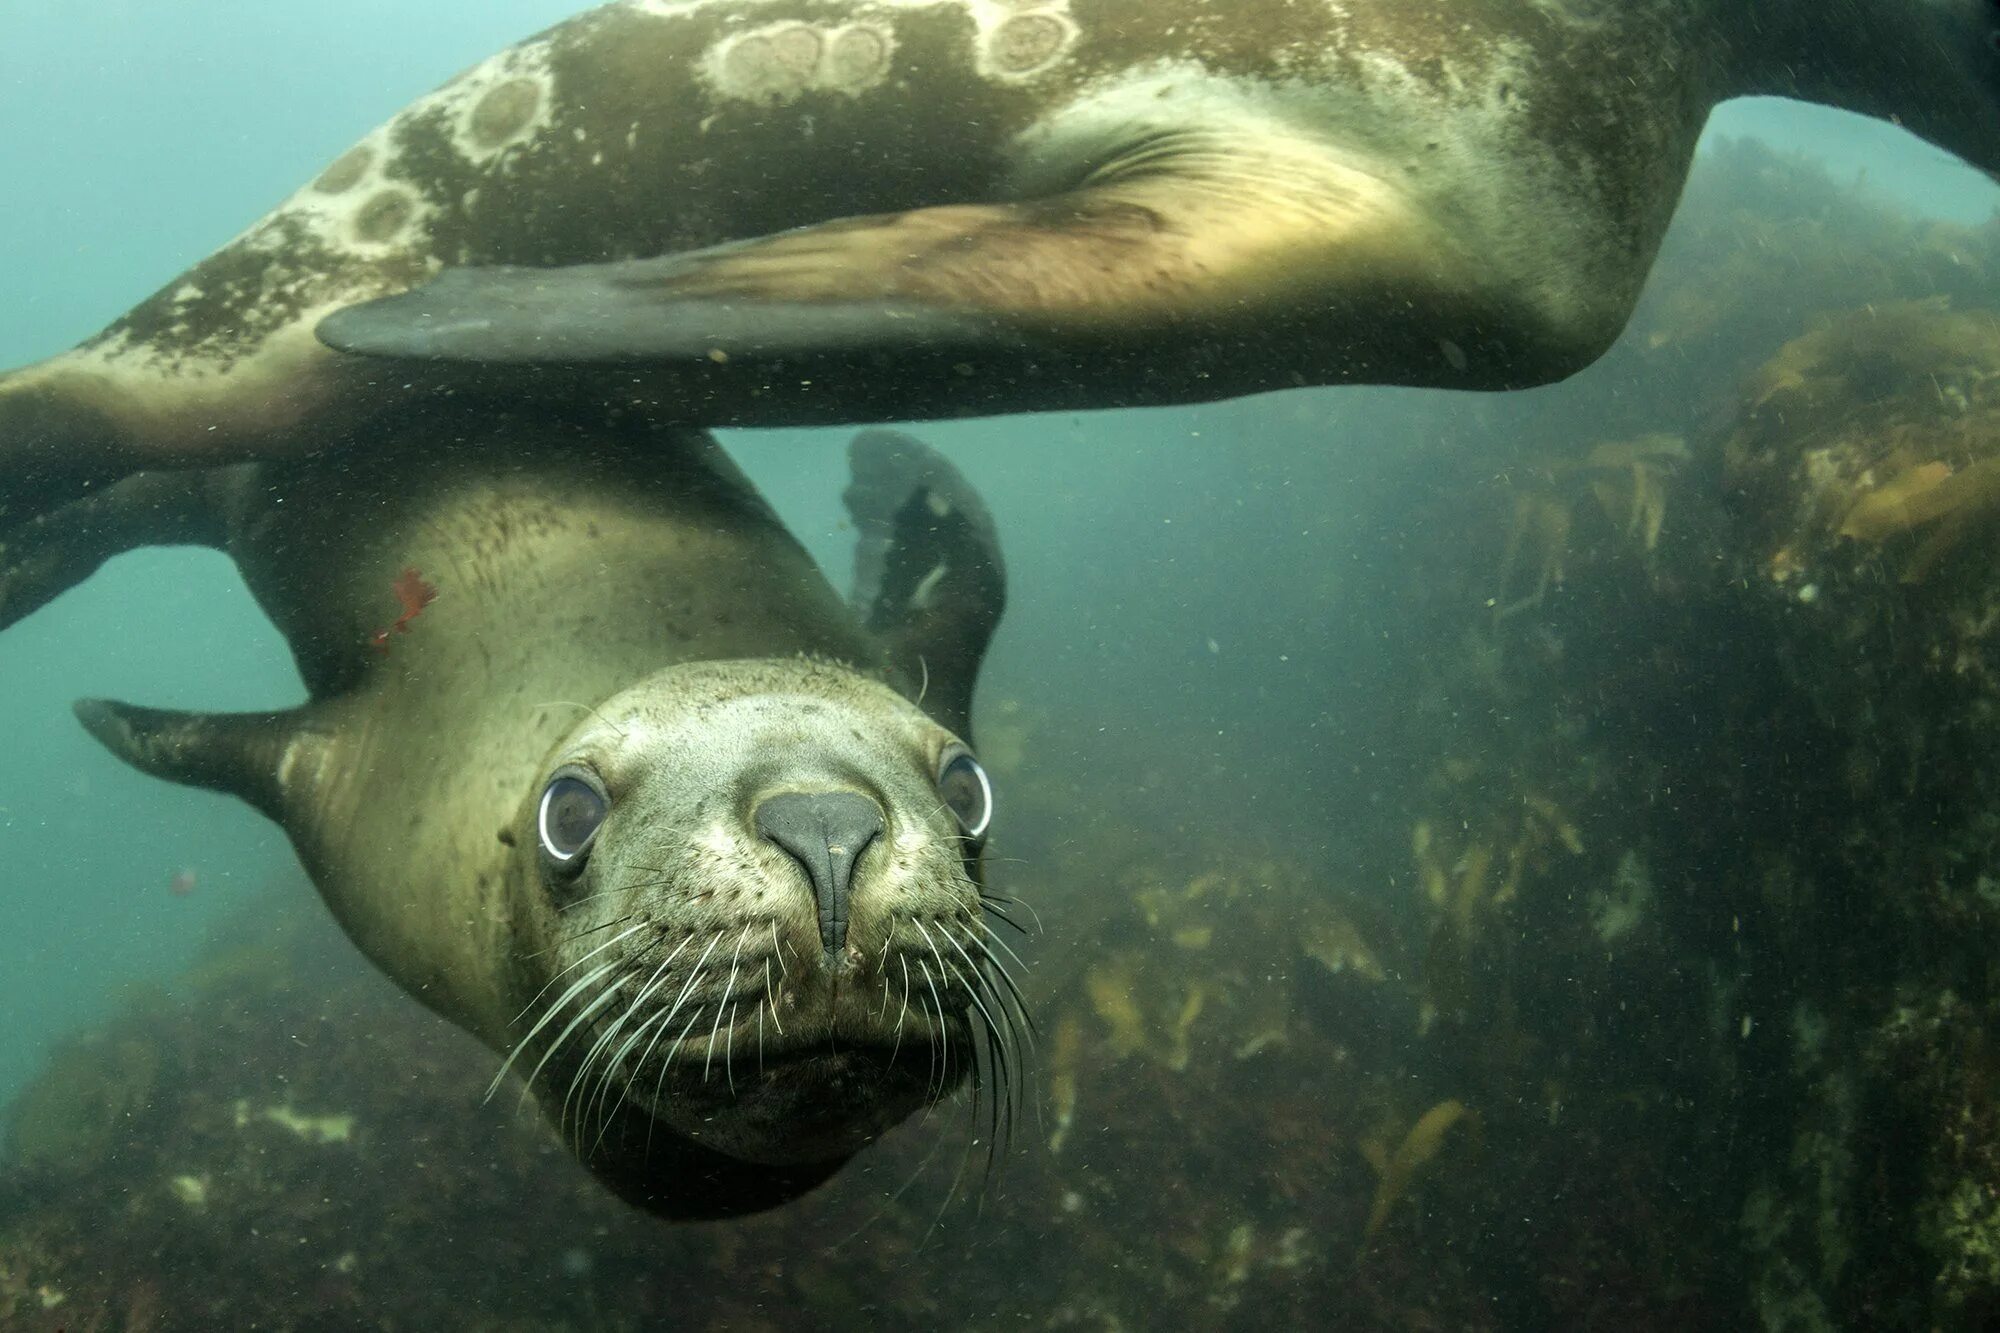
pixel 348 170
pixel 503 113
pixel 782 62
pixel 385 216
pixel 1028 42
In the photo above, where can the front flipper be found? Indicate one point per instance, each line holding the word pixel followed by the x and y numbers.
pixel 928 577
pixel 50 553
pixel 271 760
pixel 1181 248
pixel 677 308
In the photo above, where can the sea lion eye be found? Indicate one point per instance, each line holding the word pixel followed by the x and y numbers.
pixel 573 805
pixel 965 788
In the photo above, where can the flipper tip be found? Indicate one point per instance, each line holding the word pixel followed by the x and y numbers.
pixel 105 721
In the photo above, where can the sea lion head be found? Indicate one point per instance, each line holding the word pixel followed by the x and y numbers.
pixel 750 906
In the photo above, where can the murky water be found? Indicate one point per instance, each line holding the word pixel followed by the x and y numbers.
pixel 1500 861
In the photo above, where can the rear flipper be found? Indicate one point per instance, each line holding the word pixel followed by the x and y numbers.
pixel 58 441
pixel 928 576
pixel 75 424
pixel 48 554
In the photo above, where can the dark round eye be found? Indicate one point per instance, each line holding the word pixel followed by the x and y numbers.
pixel 965 788
pixel 572 807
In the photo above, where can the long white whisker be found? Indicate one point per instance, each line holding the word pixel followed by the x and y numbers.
pixel 543 1022
pixel 1001 940
pixel 577 1079
pixel 728 987
pixel 571 968
pixel 995 1081
pixel 943 1061
pixel 583 1014
pixel 729 1053
pixel 904 1012
pixel 653 983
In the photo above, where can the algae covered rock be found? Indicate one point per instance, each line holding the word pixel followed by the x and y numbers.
pixel 94 1094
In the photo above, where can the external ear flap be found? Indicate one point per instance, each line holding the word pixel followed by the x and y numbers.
pixel 928 576
pixel 264 758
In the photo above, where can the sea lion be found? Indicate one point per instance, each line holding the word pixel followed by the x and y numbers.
pixel 762 212
pixel 596 765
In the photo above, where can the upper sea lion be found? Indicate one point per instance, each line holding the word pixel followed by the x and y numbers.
pixel 761 212
pixel 597 765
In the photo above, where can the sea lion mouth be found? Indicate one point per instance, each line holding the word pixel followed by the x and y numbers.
pixel 729 1037
pixel 829 1024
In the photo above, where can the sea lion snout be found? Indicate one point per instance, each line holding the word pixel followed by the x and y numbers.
pixel 826 833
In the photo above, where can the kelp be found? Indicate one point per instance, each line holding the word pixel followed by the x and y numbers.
pixel 1628 479
pixel 1878 428
pixel 1399 1170
pixel 1464 881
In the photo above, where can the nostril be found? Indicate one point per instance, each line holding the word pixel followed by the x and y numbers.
pixel 826 833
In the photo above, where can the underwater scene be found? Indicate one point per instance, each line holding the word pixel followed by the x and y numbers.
pixel 1417 858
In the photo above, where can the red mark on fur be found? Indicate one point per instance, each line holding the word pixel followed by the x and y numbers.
pixel 415 595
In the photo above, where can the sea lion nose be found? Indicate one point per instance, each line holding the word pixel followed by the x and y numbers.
pixel 826 832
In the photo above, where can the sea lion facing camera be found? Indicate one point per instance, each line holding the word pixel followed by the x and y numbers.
pixel 597 765
pixel 762 212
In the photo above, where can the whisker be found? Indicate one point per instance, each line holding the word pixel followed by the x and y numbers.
pixel 942 1063
pixel 950 1193
pixel 583 1014
pixel 666 1063
pixel 904 1012
pixel 883 967
pixel 653 983
pixel 995 1032
pixel 988 909
pixel 984 946
pixel 571 968
pixel 729 1053
pixel 570 703
pixel 990 900
pixel 772 996
pixel 922 1167
pixel 1020 1003
pixel 577 1079
pixel 543 1022
pixel 727 988
pixel 991 1031
pixel 700 971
